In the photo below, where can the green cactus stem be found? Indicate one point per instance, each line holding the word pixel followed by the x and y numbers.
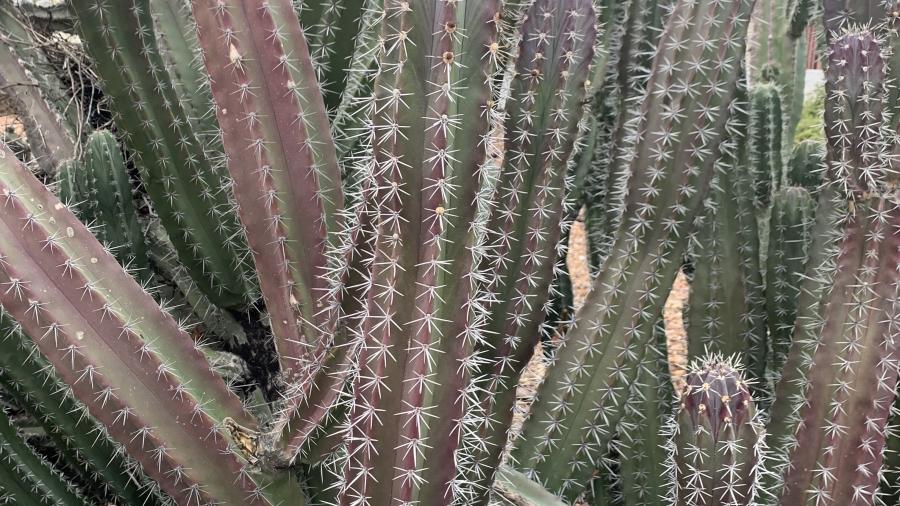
pixel 47 485
pixel 580 401
pixel 806 166
pixel 789 227
pixel 642 478
pixel 716 438
pixel 765 142
pixel 27 380
pixel 100 189
pixel 188 190
pixel 853 377
pixel 616 108
pixel 726 310
pixel 332 29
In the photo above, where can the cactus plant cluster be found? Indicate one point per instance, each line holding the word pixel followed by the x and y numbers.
pixel 313 251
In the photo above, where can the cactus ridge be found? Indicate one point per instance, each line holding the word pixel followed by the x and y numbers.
pixel 599 353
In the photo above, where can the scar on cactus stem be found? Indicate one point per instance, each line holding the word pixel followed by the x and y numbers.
pixel 716 437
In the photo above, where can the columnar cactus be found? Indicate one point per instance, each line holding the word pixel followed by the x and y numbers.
pixel 640 467
pixel 789 237
pixel 766 123
pixel 99 187
pixel 841 436
pixel 287 184
pixel 423 286
pixel 188 189
pixel 717 445
pixel 806 166
pixel 137 372
pixel 579 403
pixel 725 312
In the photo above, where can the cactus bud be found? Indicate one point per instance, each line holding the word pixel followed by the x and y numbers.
pixel 716 435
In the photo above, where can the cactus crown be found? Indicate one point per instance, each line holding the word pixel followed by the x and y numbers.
pixel 716 397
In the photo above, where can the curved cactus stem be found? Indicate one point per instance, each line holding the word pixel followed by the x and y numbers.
pixel 50 486
pixel 137 372
pixel 853 376
pixel 287 185
pixel 578 405
pixel 189 193
pixel 25 378
pixel 49 132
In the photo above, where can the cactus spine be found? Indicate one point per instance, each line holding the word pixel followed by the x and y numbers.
pixel 854 374
pixel 717 445
pixel 580 401
pixel 100 189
